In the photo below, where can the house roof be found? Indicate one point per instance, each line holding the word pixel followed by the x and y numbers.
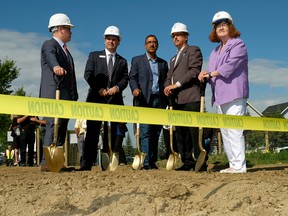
pixel 278 108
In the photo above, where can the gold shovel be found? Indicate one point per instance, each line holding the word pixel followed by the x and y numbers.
pixel 201 158
pixel 140 156
pixel 172 160
pixel 110 160
pixel 54 155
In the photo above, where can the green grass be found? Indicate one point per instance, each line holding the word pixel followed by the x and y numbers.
pixel 253 159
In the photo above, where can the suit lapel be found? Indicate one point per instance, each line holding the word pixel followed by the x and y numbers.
pixel 104 61
pixel 172 63
pixel 183 53
pixel 71 65
pixel 147 64
pixel 60 48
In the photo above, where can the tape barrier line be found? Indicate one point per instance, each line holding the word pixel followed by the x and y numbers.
pixel 115 113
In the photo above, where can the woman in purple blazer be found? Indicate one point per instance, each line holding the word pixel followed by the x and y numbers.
pixel 228 77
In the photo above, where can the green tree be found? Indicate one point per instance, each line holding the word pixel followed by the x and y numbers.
pixel 162 147
pixel 256 139
pixel 128 147
pixel 20 92
pixel 277 139
pixel 8 72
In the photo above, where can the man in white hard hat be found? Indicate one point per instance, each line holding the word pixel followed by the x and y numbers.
pixel 183 85
pixel 106 73
pixel 147 76
pixel 57 69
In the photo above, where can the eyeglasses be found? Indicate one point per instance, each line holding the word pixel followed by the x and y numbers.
pixel 151 42
pixel 66 27
pixel 223 24
pixel 178 34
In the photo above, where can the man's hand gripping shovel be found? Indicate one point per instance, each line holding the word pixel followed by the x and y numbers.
pixel 201 158
pixel 54 154
pixel 110 160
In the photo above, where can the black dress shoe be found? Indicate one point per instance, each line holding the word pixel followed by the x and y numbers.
pixel 203 168
pixel 184 168
pixel 67 169
pixel 153 166
pixel 145 167
pixel 84 168
pixel 22 164
pixel 63 169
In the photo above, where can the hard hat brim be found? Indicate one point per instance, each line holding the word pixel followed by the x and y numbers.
pixel 217 22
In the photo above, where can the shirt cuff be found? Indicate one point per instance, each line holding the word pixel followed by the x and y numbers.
pixel 178 84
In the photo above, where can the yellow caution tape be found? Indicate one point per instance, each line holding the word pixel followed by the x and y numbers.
pixel 116 113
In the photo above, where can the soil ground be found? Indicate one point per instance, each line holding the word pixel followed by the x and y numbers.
pixel 263 190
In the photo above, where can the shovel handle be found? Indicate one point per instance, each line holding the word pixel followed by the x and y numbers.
pixel 109 140
pixel 171 135
pixel 137 99
pixel 57 97
pixel 136 103
pixel 138 138
pixel 203 87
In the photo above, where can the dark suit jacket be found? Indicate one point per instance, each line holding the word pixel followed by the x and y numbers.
pixel 53 55
pixel 186 71
pixel 141 77
pixel 96 75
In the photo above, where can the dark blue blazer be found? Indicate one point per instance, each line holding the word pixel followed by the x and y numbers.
pixel 53 55
pixel 140 77
pixel 96 75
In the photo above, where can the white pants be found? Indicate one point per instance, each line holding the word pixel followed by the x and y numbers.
pixel 233 139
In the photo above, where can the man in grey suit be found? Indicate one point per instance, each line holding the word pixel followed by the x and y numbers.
pixel 183 84
pixel 106 86
pixel 147 76
pixel 57 68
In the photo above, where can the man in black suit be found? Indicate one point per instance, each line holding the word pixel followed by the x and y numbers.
pixel 106 73
pixel 57 68
pixel 147 76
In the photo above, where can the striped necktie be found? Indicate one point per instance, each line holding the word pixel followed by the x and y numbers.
pixel 110 66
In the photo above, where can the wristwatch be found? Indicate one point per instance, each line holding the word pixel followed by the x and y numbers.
pixel 209 74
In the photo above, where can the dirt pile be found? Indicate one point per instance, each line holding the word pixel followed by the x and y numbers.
pixel 26 191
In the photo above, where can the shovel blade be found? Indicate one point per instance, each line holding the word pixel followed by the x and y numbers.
pixel 200 160
pixel 105 161
pixel 136 165
pixel 142 158
pixel 114 162
pixel 54 157
pixel 171 162
pixel 109 164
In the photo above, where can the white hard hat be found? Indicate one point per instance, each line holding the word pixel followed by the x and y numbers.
pixel 59 19
pixel 114 31
pixel 179 27
pixel 221 15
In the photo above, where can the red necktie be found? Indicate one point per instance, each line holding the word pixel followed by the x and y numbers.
pixel 69 58
pixel 68 55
